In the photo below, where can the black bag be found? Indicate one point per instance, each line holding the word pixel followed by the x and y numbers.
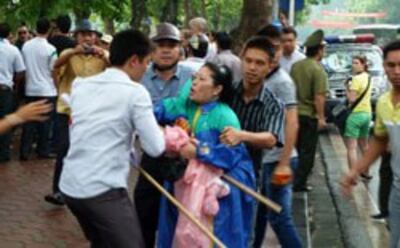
pixel 342 111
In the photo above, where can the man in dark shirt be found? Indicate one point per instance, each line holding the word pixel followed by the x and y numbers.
pixel 61 39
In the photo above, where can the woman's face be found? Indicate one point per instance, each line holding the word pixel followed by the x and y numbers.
pixel 203 89
pixel 357 66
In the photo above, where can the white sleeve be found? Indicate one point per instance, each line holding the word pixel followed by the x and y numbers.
pixel 150 134
pixel 53 58
pixel 19 65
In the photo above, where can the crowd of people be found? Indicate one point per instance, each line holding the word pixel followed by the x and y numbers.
pixel 199 111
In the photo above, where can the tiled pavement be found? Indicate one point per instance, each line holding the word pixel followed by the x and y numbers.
pixel 25 219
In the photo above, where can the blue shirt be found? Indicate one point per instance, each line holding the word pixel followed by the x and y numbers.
pixel 159 88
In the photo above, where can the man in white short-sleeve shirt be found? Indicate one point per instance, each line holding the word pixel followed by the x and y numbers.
pixel 11 71
pixel 39 56
pixel 291 54
pixel 106 109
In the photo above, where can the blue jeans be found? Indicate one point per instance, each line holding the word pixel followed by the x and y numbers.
pixel 282 223
pixel 394 217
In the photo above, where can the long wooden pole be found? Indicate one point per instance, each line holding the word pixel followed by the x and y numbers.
pixel 182 209
pixel 270 204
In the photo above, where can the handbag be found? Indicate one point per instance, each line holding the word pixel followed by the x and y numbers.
pixel 342 111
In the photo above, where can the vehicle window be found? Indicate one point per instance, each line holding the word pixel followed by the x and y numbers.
pixel 340 60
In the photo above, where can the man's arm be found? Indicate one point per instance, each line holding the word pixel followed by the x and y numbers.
pixel 319 101
pixel 291 129
pixel 377 146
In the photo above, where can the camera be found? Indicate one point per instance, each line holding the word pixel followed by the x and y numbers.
pixel 88 50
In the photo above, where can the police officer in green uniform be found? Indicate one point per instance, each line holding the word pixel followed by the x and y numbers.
pixel 312 85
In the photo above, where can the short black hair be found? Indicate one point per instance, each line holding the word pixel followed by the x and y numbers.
pixel 313 51
pixel 270 31
pixel 4 30
pixel 42 25
pixel 128 43
pixel 262 43
pixel 198 45
pixel 392 46
pixel 222 75
pixel 63 23
pixel 223 40
pixel 289 30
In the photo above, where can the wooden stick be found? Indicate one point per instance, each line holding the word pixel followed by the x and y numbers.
pixel 182 209
pixel 270 204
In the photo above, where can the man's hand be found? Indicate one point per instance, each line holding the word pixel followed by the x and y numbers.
pixel 231 136
pixel 34 111
pixel 189 150
pixel 282 175
pixel 322 123
pixel 348 182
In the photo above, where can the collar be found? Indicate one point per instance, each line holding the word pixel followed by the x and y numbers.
pixel 271 73
pixel 225 52
pixel 207 107
pixel 154 75
pixel 240 90
pixel 117 75
pixel 195 59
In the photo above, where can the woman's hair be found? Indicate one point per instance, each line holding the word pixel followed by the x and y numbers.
pixel 363 60
pixel 221 75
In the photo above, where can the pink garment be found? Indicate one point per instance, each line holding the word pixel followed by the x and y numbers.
pixel 198 191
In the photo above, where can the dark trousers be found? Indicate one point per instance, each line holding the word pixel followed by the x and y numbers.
pixel 385 183
pixel 108 220
pixel 41 128
pixel 62 145
pixel 147 200
pixel 307 140
pixel 6 107
pixel 282 223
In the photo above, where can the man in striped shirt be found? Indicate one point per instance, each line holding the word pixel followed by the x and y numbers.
pixel 260 113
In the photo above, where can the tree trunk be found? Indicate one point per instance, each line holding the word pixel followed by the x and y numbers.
pixel 139 12
pixel 170 12
pixel 188 12
pixel 255 14
pixel 109 25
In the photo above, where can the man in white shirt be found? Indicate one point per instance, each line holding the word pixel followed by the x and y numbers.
pixel 197 52
pixel 225 55
pixel 39 56
pixel 106 109
pixel 12 69
pixel 291 54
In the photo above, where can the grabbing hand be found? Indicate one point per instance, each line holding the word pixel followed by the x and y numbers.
pixel 34 111
pixel 230 136
pixel 348 182
pixel 189 150
pixel 282 175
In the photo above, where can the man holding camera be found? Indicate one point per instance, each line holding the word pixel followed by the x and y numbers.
pixel 85 60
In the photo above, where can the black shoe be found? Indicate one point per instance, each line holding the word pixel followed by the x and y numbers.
pixel 306 188
pixel 56 199
pixel 380 216
pixel 23 158
pixel 47 156
pixel 366 177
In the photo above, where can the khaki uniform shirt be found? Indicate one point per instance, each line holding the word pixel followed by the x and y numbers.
pixel 310 79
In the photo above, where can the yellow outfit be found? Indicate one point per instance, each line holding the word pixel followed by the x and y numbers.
pixel 359 83
pixel 387 116
pixel 79 65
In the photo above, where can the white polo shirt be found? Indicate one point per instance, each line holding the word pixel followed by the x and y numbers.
pixel 286 63
pixel 39 56
pixel 10 62
pixel 106 110
pixel 193 63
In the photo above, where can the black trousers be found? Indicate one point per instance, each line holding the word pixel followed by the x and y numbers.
pixel 108 220
pixel 62 145
pixel 6 107
pixel 385 183
pixel 41 128
pixel 307 140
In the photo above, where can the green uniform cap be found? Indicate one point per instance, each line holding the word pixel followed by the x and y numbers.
pixel 315 39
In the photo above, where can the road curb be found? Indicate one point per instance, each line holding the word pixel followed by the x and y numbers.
pixel 333 152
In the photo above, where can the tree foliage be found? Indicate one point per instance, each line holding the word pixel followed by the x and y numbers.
pixel 388 6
